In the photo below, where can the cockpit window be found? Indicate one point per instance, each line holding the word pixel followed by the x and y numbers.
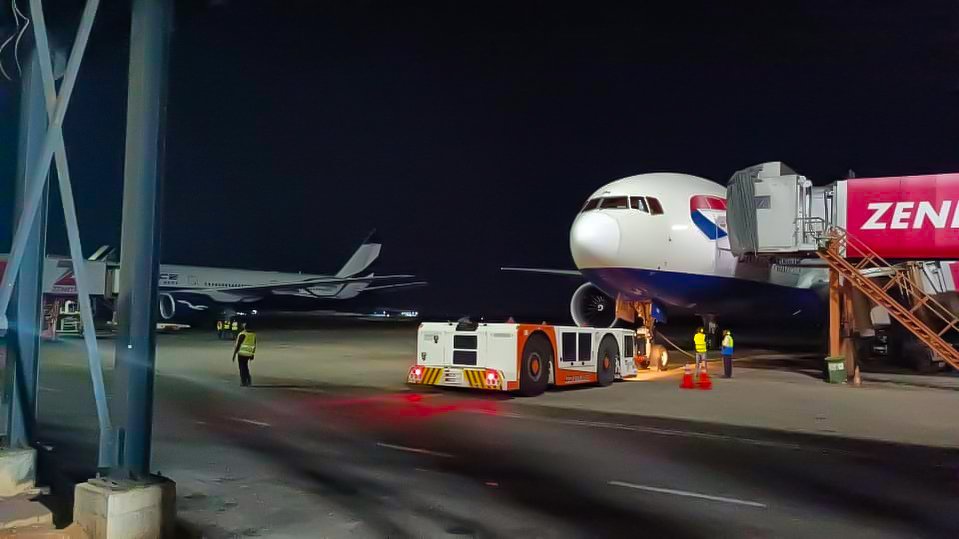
pixel 643 204
pixel 591 204
pixel 655 208
pixel 611 203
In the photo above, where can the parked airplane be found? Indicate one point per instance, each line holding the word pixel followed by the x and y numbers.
pixel 662 237
pixel 195 289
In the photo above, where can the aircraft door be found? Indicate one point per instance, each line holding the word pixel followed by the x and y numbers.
pixel 724 260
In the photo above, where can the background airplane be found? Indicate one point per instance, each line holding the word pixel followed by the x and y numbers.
pixel 191 290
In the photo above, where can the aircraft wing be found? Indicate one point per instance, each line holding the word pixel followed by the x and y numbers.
pixel 305 283
pixel 545 271
pixel 395 286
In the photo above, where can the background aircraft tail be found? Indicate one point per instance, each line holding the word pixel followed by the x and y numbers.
pixel 367 252
pixel 103 253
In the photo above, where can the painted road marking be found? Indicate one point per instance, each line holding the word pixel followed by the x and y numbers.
pixel 701 435
pixel 250 421
pixel 50 389
pixel 691 434
pixel 688 494
pixel 415 450
pixel 308 390
pixel 654 430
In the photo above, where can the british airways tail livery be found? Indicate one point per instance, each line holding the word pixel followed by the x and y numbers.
pixel 662 237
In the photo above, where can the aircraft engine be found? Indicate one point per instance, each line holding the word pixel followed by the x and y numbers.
pixel 167 306
pixel 593 308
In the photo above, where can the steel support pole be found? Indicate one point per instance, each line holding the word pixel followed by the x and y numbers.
pixel 140 241
pixel 25 314
pixel 848 337
pixel 835 314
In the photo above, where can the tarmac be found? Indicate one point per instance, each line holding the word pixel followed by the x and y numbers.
pixel 330 442
pixel 769 389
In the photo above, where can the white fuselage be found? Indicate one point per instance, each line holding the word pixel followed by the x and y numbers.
pixel 230 283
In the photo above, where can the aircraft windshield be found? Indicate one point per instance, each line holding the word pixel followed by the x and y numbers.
pixel 591 204
pixel 655 207
pixel 643 204
pixel 615 203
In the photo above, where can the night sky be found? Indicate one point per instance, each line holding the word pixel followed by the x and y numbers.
pixel 470 133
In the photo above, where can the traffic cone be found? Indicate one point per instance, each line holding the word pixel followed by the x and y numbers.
pixel 687 379
pixel 704 381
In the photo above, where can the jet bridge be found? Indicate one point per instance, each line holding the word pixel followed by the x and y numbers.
pixel 776 213
pixel 773 210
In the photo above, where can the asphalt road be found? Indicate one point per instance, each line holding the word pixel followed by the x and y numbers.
pixel 292 459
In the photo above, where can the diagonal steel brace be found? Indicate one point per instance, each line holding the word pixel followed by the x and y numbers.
pixel 106 452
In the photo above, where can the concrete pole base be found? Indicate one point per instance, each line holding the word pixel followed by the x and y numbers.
pixel 107 509
pixel 18 471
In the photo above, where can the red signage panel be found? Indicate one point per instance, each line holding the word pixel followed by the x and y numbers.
pixel 909 217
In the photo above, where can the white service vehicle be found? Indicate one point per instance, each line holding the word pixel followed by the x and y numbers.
pixel 525 358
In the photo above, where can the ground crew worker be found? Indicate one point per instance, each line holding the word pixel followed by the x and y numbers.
pixel 699 339
pixel 219 329
pixel 245 350
pixel 235 327
pixel 727 354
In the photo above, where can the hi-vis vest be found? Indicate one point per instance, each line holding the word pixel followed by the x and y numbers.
pixel 219 325
pixel 248 346
pixel 700 340
pixel 728 345
pixel 236 325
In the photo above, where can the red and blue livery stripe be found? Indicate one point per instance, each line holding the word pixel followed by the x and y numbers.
pixel 705 211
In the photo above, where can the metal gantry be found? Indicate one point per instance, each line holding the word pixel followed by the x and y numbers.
pixel 34 188
pixel 136 345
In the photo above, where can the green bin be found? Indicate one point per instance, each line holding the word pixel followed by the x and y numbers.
pixel 835 370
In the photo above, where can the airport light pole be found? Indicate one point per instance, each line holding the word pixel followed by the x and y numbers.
pixel 140 241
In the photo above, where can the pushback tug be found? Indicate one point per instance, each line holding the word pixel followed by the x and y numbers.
pixel 525 358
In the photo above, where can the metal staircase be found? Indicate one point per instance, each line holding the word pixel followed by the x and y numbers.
pixel 927 319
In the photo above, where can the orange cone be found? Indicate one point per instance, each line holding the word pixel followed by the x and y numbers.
pixel 704 381
pixel 687 379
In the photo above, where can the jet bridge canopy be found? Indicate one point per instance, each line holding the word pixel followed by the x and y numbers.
pixel 773 210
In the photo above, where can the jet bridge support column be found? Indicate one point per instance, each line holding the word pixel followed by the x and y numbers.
pixel 842 325
pixel 850 334
pixel 835 315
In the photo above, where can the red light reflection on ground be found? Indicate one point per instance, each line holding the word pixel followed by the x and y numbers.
pixel 400 406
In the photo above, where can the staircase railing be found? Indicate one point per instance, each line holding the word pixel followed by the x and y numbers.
pixel 836 247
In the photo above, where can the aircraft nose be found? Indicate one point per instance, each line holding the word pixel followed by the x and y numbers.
pixel 594 240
